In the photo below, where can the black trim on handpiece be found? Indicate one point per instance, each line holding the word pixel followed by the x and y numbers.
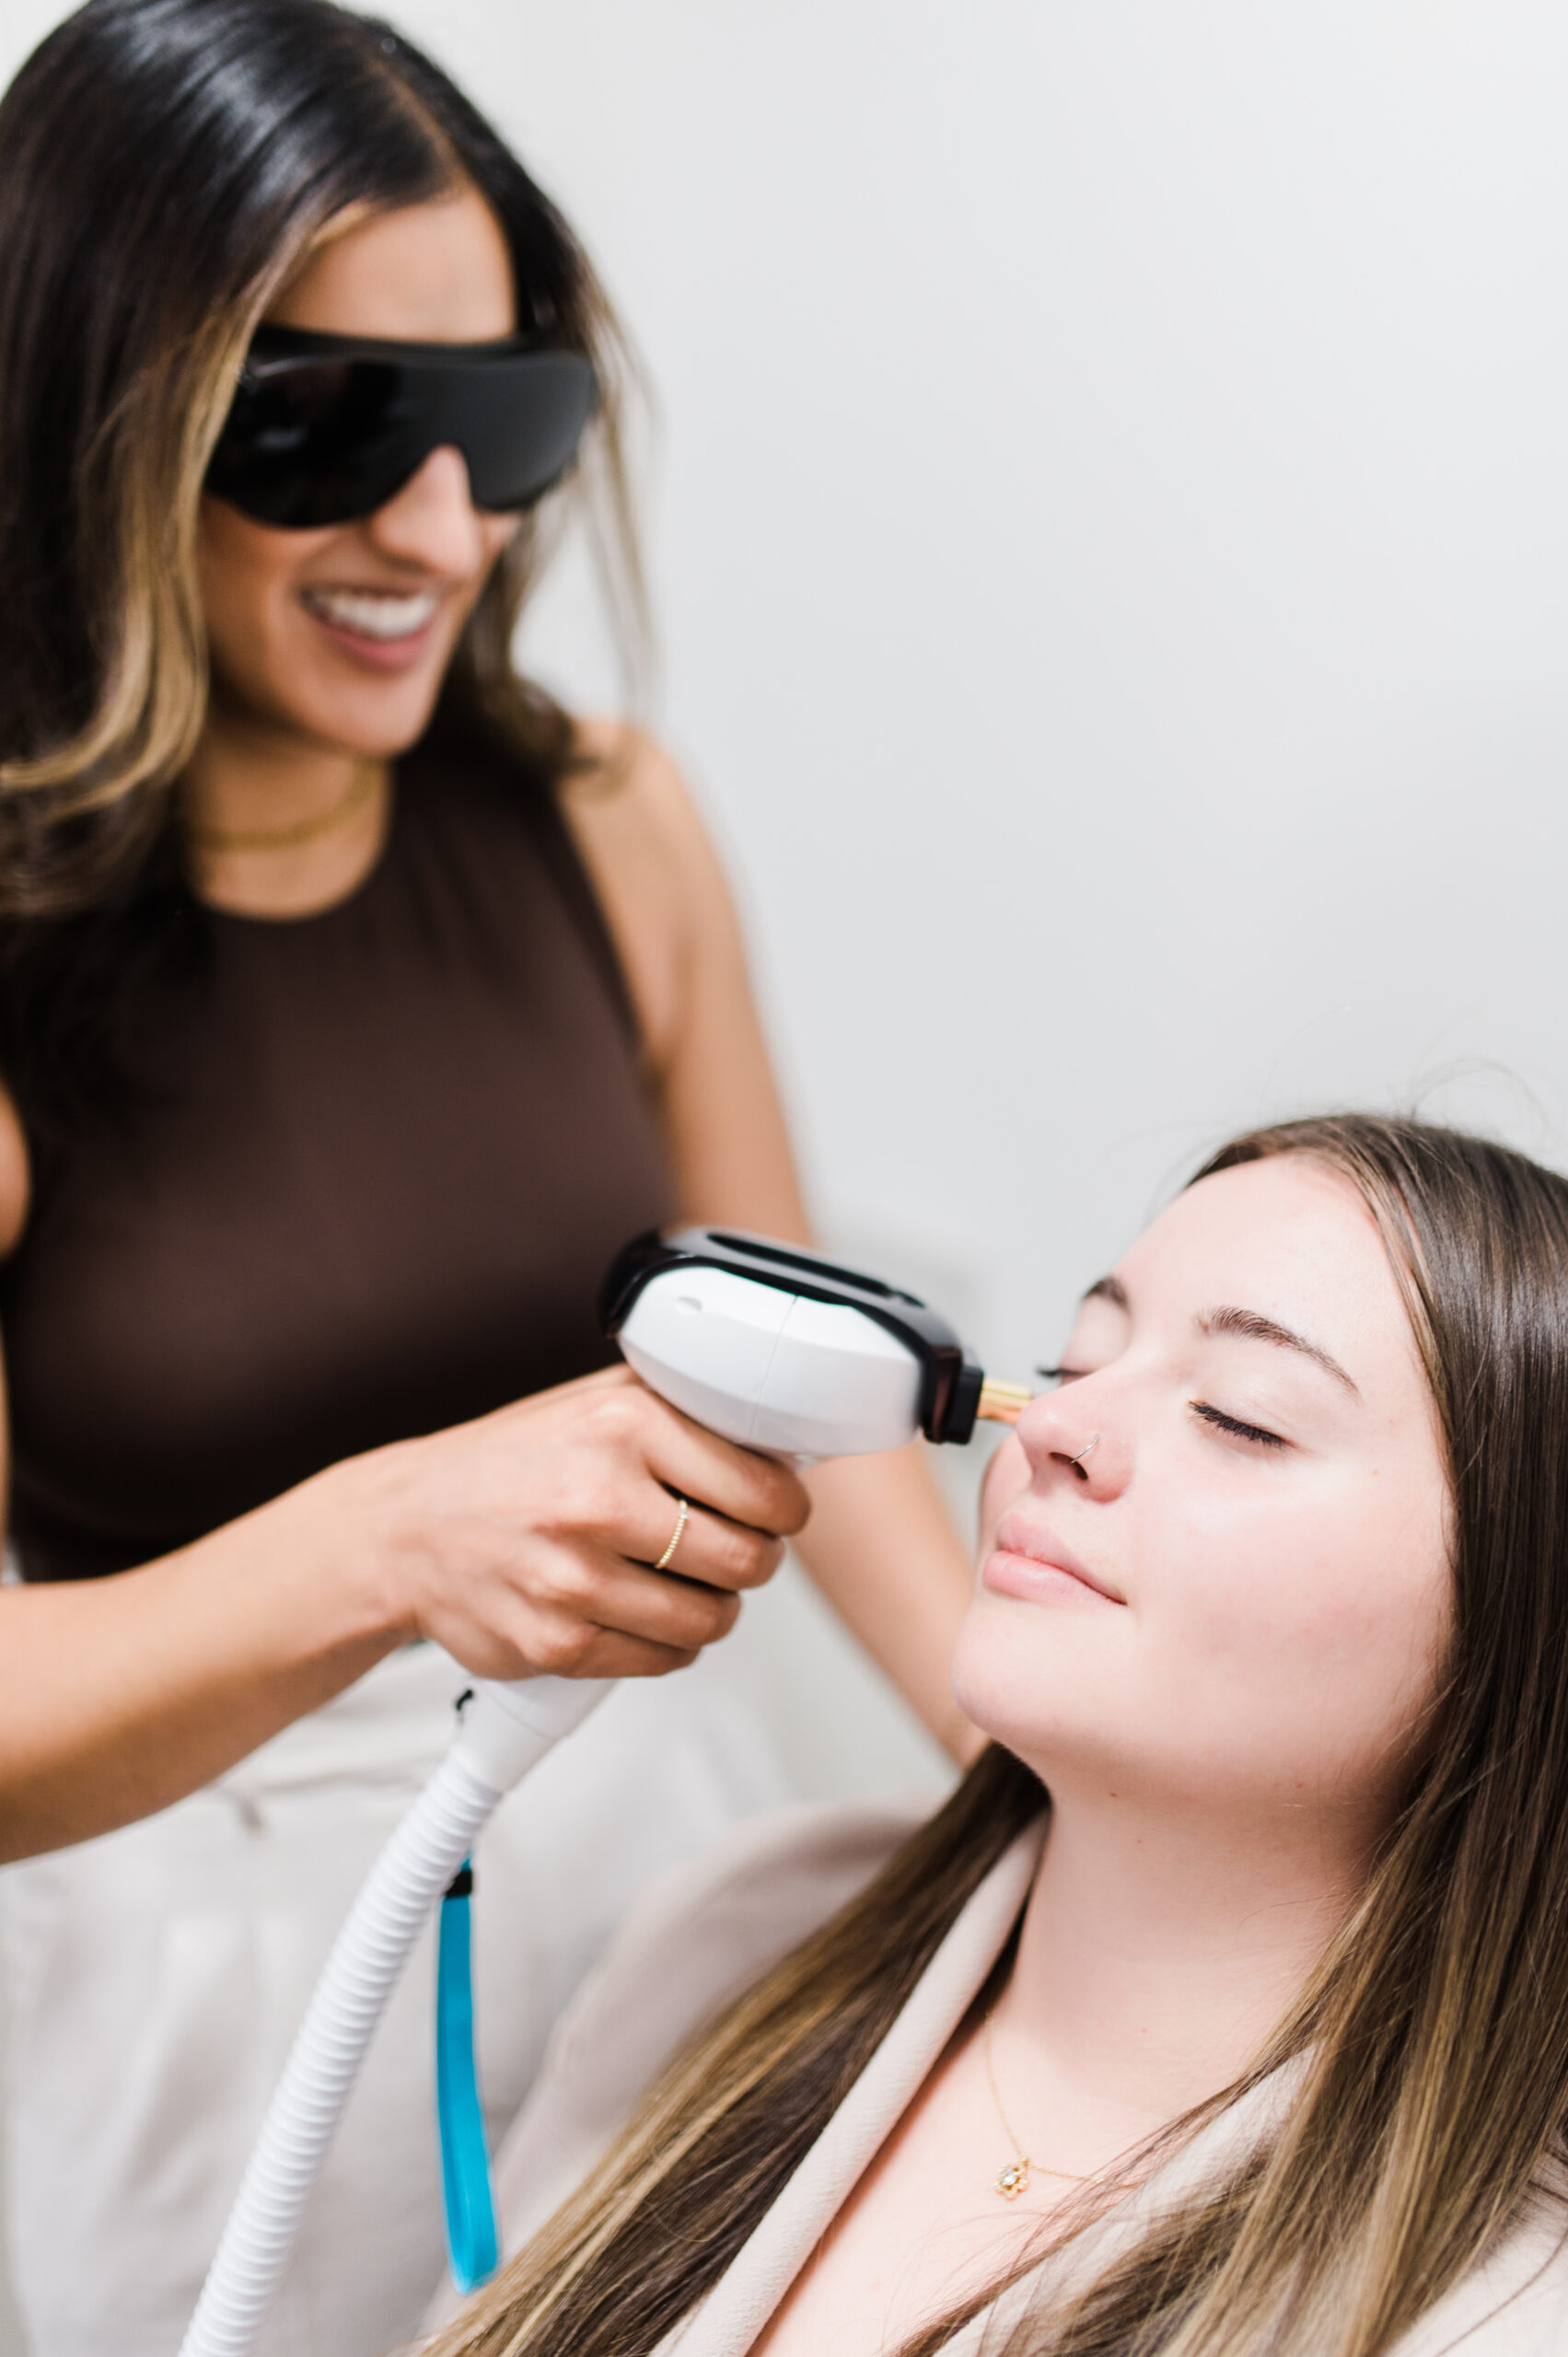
pixel 950 1378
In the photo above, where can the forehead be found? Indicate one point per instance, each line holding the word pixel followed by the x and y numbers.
pixel 1288 1239
pixel 438 272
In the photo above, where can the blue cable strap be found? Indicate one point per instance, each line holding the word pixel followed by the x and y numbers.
pixel 472 2246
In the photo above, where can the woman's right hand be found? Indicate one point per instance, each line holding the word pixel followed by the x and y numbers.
pixel 523 1542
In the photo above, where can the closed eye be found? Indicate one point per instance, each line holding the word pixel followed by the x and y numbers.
pixel 1234 1424
pixel 1061 1374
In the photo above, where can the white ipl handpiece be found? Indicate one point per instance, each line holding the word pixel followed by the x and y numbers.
pixel 784 1351
pixel 767 1345
pixel 772 1370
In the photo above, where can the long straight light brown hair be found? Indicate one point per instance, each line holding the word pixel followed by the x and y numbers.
pixel 165 166
pixel 1433 2037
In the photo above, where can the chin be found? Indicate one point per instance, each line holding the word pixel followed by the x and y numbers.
pixel 1041 1702
pixel 381 719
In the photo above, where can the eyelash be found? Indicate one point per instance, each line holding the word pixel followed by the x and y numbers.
pixel 1234 1424
pixel 1199 1408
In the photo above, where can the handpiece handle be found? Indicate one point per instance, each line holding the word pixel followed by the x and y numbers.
pixel 511 1724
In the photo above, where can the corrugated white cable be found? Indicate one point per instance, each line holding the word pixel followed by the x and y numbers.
pixel 509 1728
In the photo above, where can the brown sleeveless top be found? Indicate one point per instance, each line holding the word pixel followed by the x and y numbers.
pixel 373 1166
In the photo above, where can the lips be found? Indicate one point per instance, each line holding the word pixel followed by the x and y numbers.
pixel 1031 1562
pixel 384 616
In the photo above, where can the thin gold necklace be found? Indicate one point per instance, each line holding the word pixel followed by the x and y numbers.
pixel 1010 2182
pixel 360 786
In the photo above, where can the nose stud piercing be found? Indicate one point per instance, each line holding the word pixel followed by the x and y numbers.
pixel 1078 1462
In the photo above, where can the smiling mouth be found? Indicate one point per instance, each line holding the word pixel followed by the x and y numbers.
pixel 383 615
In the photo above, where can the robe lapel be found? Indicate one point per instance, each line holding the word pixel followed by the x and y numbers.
pixel 728 2320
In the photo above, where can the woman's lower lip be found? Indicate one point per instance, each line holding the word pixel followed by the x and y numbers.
pixel 377 653
pixel 1008 1574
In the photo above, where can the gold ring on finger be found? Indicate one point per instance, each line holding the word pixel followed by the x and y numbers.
pixel 681 1519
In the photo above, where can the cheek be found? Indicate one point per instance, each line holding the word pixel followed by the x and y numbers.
pixel 1004 1480
pixel 496 535
pixel 1314 1632
pixel 246 576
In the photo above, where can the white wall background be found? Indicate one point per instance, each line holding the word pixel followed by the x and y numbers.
pixel 1110 537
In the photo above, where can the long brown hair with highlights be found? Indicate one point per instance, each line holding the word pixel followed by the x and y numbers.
pixel 1433 2040
pixel 165 166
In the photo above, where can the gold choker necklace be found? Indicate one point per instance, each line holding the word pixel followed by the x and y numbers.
pixel 360 786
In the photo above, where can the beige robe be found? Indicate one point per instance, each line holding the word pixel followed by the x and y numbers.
pixel 706 1934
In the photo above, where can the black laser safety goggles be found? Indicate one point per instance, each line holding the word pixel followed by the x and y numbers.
pixel 326 428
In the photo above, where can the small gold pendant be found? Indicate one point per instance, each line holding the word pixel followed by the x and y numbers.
pixel 1013 2179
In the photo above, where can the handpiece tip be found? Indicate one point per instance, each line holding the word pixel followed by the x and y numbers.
pixel 1002 1403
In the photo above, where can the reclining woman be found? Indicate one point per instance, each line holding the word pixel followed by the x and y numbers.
pixel 1224 2007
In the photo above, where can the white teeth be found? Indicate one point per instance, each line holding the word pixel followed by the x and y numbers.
pixel 372 614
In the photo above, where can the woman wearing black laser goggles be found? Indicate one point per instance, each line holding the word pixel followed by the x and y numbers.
pixel 356 1004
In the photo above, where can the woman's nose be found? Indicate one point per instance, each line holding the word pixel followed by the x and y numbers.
pixel 1073 1437
pixel 431 521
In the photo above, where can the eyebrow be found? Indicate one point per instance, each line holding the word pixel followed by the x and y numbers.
pixel 1108 1289
pixel 1252 1327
